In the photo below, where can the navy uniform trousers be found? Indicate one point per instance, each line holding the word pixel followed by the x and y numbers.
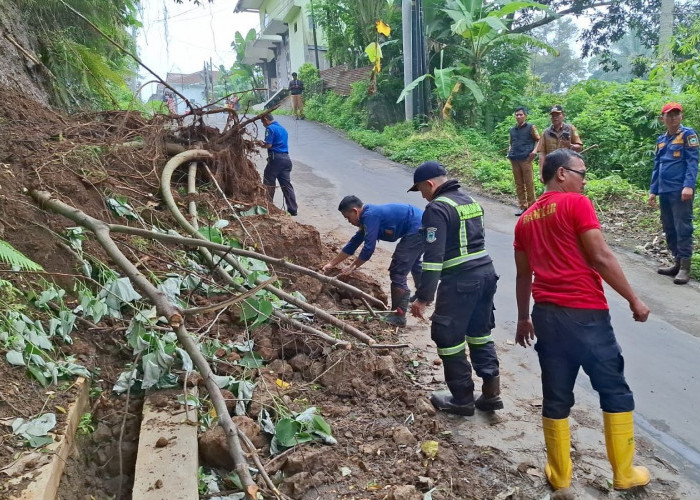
pixel 464 317
pixel 569 339
pixel 279 168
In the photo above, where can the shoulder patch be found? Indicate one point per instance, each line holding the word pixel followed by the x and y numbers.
pixel 430 234
pixel 692 140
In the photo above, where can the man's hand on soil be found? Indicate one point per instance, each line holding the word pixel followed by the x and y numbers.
pixel 326 268
pixel 418 308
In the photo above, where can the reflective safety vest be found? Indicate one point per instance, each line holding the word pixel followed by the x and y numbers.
pixel 465 212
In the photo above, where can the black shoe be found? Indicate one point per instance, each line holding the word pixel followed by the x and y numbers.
pixel 489 404
pixel 444 401
pixel 293 214
pixel 520 212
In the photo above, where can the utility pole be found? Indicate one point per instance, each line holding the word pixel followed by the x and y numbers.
pixel 313 29
pixel 407 26
pixel 415 58
pixel 206 83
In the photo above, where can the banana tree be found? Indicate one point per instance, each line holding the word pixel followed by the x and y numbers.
pixel 248 73
pixel 482 26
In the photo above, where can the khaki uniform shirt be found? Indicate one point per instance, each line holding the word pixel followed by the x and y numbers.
pixel 550 138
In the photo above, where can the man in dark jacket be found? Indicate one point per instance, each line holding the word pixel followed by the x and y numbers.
pixel 521 152
pixel 455 256
pixel 296 87
pixel 673 181
pixel 389 222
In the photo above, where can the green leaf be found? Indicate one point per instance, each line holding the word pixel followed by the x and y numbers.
pixel 319 423
pixel 412 86
pixel 256 210
pixel 445 82
pixel 373 51
pixel 212 233
pixel 251 360
pixel 15 358
pixel 15 258
pixel 249 309
pixel 125 380
pixel 473 87
pixel 151 371
pixel 121 208
pixel 286 431
pixel 39 441
pixel 38 374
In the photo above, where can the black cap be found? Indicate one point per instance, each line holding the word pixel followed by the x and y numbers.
pixel 425 171
pixel 556 109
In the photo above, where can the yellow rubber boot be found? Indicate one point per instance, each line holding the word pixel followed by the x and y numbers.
pixel 619 441
pixel 557 438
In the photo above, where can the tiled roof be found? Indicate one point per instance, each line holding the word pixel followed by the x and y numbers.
pixel 188 78
pixel 339 78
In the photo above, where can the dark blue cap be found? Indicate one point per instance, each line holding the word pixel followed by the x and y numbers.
pixel 425 171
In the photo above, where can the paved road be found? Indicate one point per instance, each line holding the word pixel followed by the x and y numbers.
pixel 662 355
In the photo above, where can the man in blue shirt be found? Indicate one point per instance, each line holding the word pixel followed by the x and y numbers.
pixel 279 166
pixel 387 223
pixel 673 181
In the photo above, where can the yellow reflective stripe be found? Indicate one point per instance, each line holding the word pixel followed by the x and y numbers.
pixel 462 258
pixel 479 340
pixel 432 266
pixel 450 202
pixel 463 238
pixel 449 351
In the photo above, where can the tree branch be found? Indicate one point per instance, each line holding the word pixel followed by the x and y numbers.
pixel 557 15
pixel 164 308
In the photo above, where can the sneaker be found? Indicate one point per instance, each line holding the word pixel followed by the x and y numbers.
pixel 520 212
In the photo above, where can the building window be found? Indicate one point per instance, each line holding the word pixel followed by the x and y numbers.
pixel 295 27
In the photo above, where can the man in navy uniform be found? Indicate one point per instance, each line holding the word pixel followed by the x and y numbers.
pixel 455 256
pixel 279 166
pixel 389 222
pixel 673 182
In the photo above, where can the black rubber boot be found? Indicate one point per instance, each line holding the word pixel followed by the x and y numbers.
pixel 444 401
pixel 670 270
pixel 399 303
pixel 683 275
pixel 490 399
pixel 459 398
pixel 416 282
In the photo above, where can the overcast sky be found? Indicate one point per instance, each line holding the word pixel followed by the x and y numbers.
pixel 179 38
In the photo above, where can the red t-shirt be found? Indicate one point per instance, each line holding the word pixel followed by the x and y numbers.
pixel 548 232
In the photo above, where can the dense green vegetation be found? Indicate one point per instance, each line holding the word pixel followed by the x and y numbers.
pixel 86 70
pixel 481 69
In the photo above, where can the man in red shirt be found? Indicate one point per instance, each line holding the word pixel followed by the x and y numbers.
pixel 560 242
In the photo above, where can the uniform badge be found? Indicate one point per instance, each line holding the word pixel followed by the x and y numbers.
pixel 430 236
pixel 693 141
pixel 676 154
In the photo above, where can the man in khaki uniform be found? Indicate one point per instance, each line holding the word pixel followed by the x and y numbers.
pixel 558 135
